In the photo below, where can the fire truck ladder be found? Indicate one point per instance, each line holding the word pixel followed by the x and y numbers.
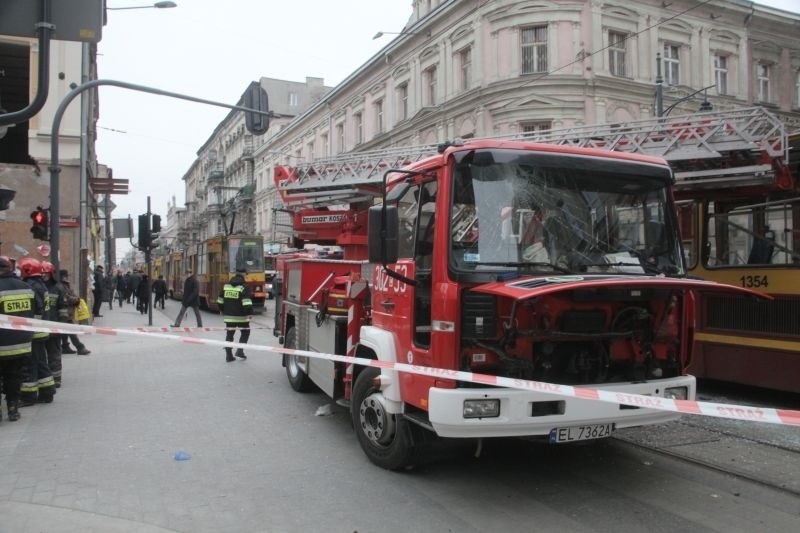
pixel 347 178
pixel 712 149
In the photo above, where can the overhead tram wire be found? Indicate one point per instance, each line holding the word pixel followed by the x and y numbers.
pixel 583 56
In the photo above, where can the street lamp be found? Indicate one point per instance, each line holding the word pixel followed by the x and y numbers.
pixel 705 106
pixel 157 5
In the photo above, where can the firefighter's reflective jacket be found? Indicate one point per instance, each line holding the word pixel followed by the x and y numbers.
pixel 57 300
pixel 16 299
pixel 234 301
pixel 41 307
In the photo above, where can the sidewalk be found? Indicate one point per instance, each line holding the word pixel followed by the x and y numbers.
pixel 101 457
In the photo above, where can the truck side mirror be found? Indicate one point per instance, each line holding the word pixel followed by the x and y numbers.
pixel 383 234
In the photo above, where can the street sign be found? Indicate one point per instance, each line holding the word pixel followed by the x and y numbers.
pixel 74 20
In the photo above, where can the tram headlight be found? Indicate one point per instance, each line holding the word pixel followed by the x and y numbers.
pixel 258 288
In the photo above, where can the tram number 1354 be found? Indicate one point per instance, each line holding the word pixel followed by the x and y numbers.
pixel 754 282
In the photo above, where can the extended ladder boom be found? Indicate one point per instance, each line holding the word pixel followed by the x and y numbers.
pixel 345 179
pixel 740 148
pixel 726 148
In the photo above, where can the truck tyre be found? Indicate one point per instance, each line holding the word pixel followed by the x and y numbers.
pixel 385 438
pixel 298 379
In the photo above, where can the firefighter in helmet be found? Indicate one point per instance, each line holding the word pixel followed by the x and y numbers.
pixel 16 299
pixel 56 295
pixel 38 384
pixel 236 306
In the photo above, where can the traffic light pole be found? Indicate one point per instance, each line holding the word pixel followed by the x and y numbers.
pixel 148 256
pixel 55 169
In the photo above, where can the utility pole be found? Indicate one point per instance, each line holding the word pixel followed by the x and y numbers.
pixel 659 88
pixel 148 259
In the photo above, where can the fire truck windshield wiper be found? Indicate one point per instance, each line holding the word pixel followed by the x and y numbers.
pixel 528 264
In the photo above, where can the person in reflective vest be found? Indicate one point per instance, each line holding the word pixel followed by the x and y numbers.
pixel 38 384
pixel 236 307
pixel 16 299
pixel 58 313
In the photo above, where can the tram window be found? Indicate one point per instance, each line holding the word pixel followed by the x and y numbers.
pixel 760 234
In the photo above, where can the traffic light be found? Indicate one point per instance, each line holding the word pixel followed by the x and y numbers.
pixel 255 97
pixel 144 231
pixel 154 232
pixel 41 224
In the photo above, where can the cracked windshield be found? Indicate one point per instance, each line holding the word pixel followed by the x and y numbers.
pixel 514 209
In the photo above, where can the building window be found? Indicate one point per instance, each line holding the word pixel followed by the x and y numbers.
pixel 465 65
pixel 293 100
pixel 617 43
pixel 325 146
pixel 797 89
pixel 534 49
pixel 378 116
pixel 672 64
pixel 721 73
pixel 311 154
pixel 534 126
pixel 762 78
pixel 358 127
pixel 340 138
pixel 429 83
pixel 402 102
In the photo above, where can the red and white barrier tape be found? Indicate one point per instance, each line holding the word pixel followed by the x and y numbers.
pixel 735 412
pixel 67 328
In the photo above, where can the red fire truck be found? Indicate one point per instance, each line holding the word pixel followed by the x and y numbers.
pixel 531 261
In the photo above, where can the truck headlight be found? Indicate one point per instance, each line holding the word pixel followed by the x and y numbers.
pixel 481 408
pixel 676 393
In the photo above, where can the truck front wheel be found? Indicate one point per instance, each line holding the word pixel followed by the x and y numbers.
pixel 384 437
pixel 298 379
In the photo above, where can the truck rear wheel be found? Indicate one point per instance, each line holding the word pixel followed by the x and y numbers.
pixel 384 437
pixel 298 379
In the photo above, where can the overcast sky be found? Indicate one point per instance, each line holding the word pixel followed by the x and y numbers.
pixel 212 49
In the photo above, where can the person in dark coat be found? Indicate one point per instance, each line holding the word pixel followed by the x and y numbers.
pixel 160 290
pixel 191 298
pixel 72 302
pixel 136 279
pixel 120 287
pixel 143 295
pixel 97 290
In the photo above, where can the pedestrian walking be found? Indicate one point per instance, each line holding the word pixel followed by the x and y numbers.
pixel 97 290
pixel 136 279
pixel 38 384
pixel 128 286
pixel 237 308
pixel 160 290
pixel 16 299
pixel 108 289
pixel 143 296
pixel 73 300
pixel 57 312
pixel 191 298
pixel 119 287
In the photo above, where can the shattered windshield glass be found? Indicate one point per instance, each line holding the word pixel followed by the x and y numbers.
pixel 522 210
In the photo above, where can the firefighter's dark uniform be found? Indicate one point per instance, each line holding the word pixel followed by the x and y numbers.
pixel 236 306
pixel 16 299
pixel 38 384
pixel 58 313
